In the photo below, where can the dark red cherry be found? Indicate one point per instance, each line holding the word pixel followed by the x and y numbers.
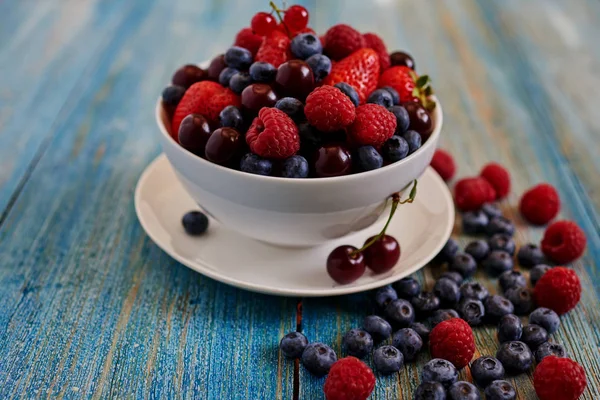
pixel 402 58
pixel 382 255
pixel 420 119
pixel 216 66
pixel 332 160
pixel 223 145
pixel 257 96
pixel 189 74
pixel 194 132
pixel 345 267
pixel 294 79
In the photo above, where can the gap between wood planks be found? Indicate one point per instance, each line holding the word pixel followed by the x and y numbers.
pixel 296 393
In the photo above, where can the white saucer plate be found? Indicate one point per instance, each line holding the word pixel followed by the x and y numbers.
pixel 422 228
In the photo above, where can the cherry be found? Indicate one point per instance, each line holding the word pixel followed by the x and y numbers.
pixel 189 74
pixel 402 58
pixel 383 254
pixel 420 119
pixel 294 79
pixel 257 96
pixel 332 160
pixel 216 66
pixel 223 145
pixel 194 132
pixel 263 23
pixel 296 18
pixel 345 264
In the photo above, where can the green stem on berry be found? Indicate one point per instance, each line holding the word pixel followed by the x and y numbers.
pixel 278 12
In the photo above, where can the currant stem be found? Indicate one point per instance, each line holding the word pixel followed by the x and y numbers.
pixel 278 12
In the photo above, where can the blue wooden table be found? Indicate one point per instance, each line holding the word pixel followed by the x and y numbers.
pixel 91 308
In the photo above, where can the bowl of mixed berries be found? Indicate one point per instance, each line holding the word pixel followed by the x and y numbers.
pixel 294 138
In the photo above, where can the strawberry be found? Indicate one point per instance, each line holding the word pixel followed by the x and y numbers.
pixel 206 98
pixel 360 70
pixel 275 49
pixel 374 42
pixel 409 86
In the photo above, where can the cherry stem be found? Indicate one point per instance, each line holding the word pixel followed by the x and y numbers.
pixel 278 12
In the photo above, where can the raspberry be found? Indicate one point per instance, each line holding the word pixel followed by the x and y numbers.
pixel 328 109
pixel 558 289
pixel 498 177
pixel 452 340
pixel 373 125
pixel 342 40
pixel 274 49
pixel 248 40
pixel 559 378
pixel 443 163
pixel 273 134
pixel 540 204
pixel 563 242
pixel 349 379
pixel 472 193
pixel 372 41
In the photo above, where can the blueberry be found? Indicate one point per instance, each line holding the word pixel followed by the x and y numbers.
pixel 378 328
pixel 546 318
pixel 537 272
pixel 530 255
pixel 462 390
pixel 395 97
pixel 402 118
pixel 550 349
pixel 381 97
pixel 195 223
pixel 408 342
pixel 348 91
pixel 479 250
pixel 485 370
pixel 293 344
pixel 231 116
pixel 455 276
pixel 510 328
pixel 439 370
pixel 310 138
pixel 491 210
pixel 413 139
pixel 503 242
pixel 388 359
pixel 534 335
pixel 472 311
pixel 447 291
pixel 474 290
pixel 474 222
pixel 369 158
pixel 497 262
pixel 295 167
pixel 357 343
pixel 500 225
pixel 238 58
pixel 400 313
pixel 239 82
pixel 448 251
pixel 318 358
pixel 262 72
pixel 292 107
pixel 464 264
pixel 407 288
pixel 425 303
pixel 511 279
pixel 500 390
pixel 522 299
pixel 516 357
pixel 172 95
pixel 430 391
pixel 442 315
pixel 254 164
pixel 395 148
pixel 421 329
pixel 497 306
pixel 226 75
pixel 320 65
pixel 305 45
pixel 385 295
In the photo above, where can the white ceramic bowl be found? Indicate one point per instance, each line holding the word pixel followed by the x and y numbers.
pixel 293 212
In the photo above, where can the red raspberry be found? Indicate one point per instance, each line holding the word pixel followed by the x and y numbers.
pixel 275 49
pixel 273 134
pixel 559 378
pixel 372 41
pixel 349 379
pixel 328 109
pixel 373 125
pixel 452 340
pixel 342 40
pixel 540 204
pixel 563 242
pixel 558 289
pixel 472 193
pixel 443 163
pixel 498 177
pixel 248 40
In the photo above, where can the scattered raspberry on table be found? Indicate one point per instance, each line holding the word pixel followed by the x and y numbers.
pixel 349 379
pixel 452 340
pixel 559 378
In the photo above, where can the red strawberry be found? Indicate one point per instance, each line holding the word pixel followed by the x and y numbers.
pixel 360 70
pixel 248 40
pixel 206 98
pixel 374 42
pixel 275 49
pixel 409 86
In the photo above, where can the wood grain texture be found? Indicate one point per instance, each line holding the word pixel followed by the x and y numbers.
pixel 91 308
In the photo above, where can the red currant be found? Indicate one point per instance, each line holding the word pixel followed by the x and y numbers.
pixel 296 18
pixel 382 255
pixel 344 265
pixel 263 23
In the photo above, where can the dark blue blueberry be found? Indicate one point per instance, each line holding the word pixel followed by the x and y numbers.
pixel 497 262
pixel 239 82
pixel 550 349
pixel 534 335
pixel 305 45
pixel 357 343
pixel 400 313
pixel 442 315
pixel 472 311
pixel 408 342
pixel 497 306
pixel 369 158
pixel 425 303
pixel 474 222
pixel 421 329
pixel 500 390
pixel 530 255
pixel 413 139
pixel 402 119
pixel 195 223
pixel 348 91
pixel 516 357
pixel 293 344
pixel 447 291
pixel 318 358
pixel 381 97
pixel 546 318
pixel 485 370
pixel 231 116
pixel 295 167
pixel 407 288
pixel 537 272
pixel 464 264
pixel 320 65
pixel 388 359
pixel 238 58
pixel 292 107
pixel 479 250
pixel 448 251
pixel 385 295
pixel 378 328
pixel 262 72
pixel 522 299
pixel 226 75
pixel 254 164
pixel 310 138
pixel 439 370
pixel 172 95
pixel 510 328
pixel 500 225
pixel 462 390
pixel 474 290
pixel 491 210
pixel 395 96
pixel 503 242
pixel 511 279
pixel 430 391
pixel 455 276
pixel 395 149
